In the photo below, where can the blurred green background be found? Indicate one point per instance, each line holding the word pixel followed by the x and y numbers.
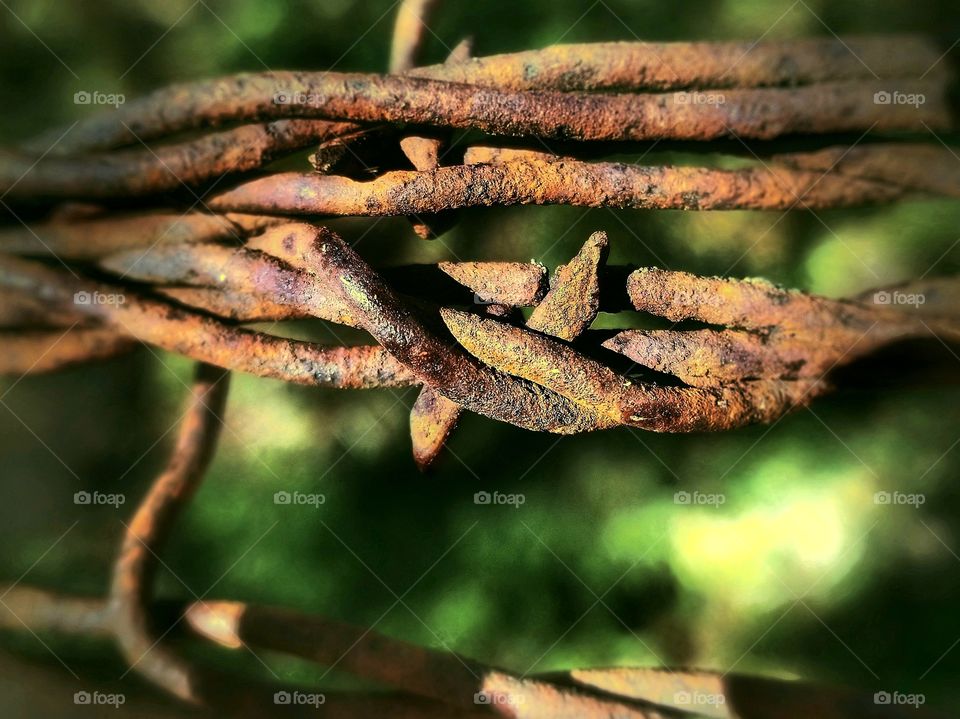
pixel 798 574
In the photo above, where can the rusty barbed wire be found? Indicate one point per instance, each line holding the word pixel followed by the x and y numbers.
pixel 771 356
pixel 134 571
pixel 436 683
pixel 538 179
pixel 791 75
pixel 188 283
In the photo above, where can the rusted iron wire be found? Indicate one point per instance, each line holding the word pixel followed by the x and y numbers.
pixel 548 182
pixel 73 238
pixel 434 359
pixel 42 611
pixel 915 168
pixel 925 168
pixel 613 399
pixel 565 312
pixel 135 569
pixel 683 65
pixel 143 171
pixel 39 351
pixel 769 349
pixel 761 113
pixel 424 154
pixel 770 356
pixel 450 684
pixel 870 177
pixel 443 676
pixel 270 276
pixel 202 338
pixel 605 66
pixel 408 33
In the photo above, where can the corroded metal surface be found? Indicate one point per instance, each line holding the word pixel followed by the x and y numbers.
pixel 146 170
pixel 443 684
pixel 566 311
pixel 556 181
pixel 135 569
pixel 679 65
pixel 90 238
pixel 431 357
pixel 205 339
pixel 185 282
pixel 38 351
pixel 761 113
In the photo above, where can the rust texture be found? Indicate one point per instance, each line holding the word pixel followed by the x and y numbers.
pixel 441 683
pixel 574 298
pixel 771 333
pixel 434 359
pixel 38 351
pixel 269 270
pixel 146 170
pixel 131 173
pixel 425 153
pixel 109 243
pixel 516 284
pixel 603 66
pixel 94 237
pixel 566 311
pixel 761 113
pixel 560 181
pixel 135 569
pixel 205 339
pixel 680 65
pixel 408 33
pixel 927 168
pixel 770 353
pixel 613 399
